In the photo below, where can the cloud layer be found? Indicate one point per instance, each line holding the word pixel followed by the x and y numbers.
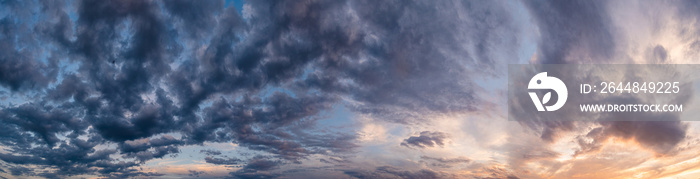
pixel 105 88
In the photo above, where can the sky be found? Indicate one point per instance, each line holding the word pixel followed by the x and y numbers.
pixel 325 89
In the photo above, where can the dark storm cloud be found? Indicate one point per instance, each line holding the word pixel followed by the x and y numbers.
pixel 146 69
pixel 426 139
pixel 58 27
pixel 123 68
pixel 21 69
pixel 46 132
pixel 197 17
pixel 45 122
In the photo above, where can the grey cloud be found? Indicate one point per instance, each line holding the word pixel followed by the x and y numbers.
pixel 660 54
pixel 494 172
pixel 45 122
pixel 197 17
pixel 360 174
pixel 210 152
pixel 574 31
pixel 568 26
pixel 260 163
pixel 325 161
pixel 445 162
pixel 393 172
pixel 222 161
pixel 277 134
pixel 145 144
pixel 408 174
pixel 426 139
pixel 395 45
pixel 159 152
pixel 661 137
pixel 195 173
pixel 17 171
pixel 20 70
pixel 635 126
pixel 209 75
pixel 335 160
pixel 258 167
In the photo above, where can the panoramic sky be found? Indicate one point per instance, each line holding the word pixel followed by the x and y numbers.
pixel 325 89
